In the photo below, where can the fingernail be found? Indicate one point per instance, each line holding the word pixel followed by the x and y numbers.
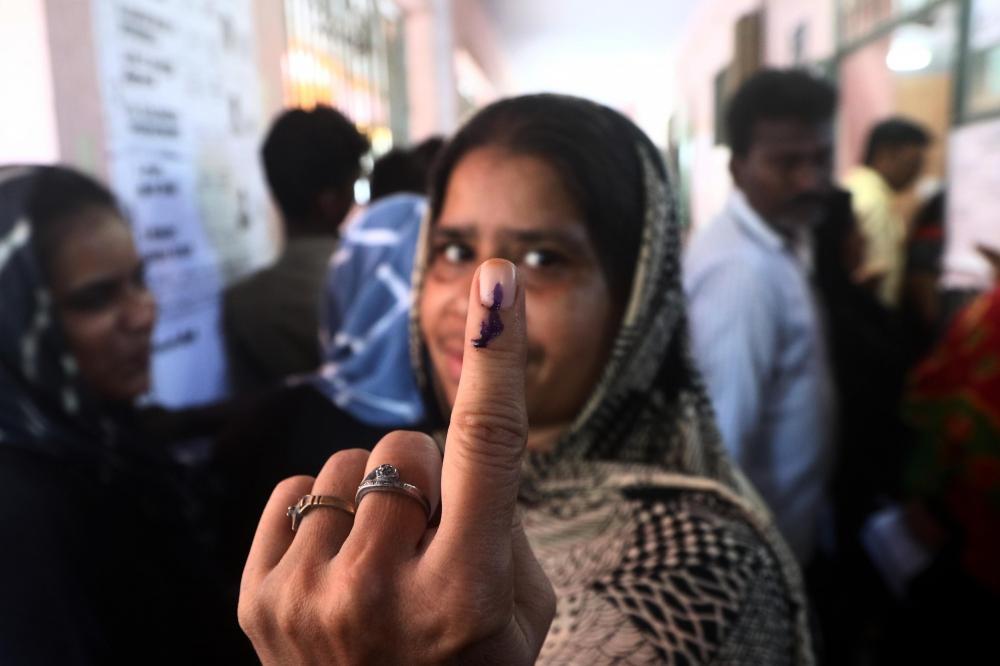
pixel 497 284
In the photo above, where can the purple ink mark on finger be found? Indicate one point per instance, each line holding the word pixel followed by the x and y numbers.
pixel 490 329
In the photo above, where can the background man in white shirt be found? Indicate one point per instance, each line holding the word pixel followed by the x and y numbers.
pixel 756 327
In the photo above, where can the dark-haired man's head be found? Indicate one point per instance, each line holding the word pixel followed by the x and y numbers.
pixel 311 161
pixel 396 171
pixel 896 149
pixel 405 169
pixel 780 125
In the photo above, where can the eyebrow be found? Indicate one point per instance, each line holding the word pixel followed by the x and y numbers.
pixel 105 280
pixel 522 236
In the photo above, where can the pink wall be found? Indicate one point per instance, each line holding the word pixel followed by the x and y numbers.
pixel 867 95
pixel 785 16
pixel 705 49
pixel 78 111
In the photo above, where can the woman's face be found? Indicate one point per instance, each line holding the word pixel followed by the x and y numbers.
pixel 106 311
pixel 499 204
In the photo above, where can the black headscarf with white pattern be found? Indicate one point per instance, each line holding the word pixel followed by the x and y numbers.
pixel 44 406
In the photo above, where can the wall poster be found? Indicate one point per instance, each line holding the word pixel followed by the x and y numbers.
pixel 183 116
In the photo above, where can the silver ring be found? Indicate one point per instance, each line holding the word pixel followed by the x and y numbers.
pixel 385 478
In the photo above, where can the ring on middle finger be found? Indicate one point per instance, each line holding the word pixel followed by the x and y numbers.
pixel 385 478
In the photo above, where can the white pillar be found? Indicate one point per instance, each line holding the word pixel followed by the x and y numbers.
pixel 27 115
pixel 430 73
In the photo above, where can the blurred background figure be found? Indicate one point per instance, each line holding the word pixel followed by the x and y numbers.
pixel 365 315
pixel 893 161
pixel 951 487
pixel 756 325
pixel 312 160
pixel 404 169
pixel 109 550
pixel 920 300
pixel 170 108
pixel 366 302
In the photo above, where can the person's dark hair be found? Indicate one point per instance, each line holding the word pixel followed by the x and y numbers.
pixel 307 152
pixel 396 171
pixel 776 94
pixel 426 153
pixel 893 133
pixel 57 196
pixel 404 170
pixel 592 149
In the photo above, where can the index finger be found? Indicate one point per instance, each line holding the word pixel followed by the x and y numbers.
pixel 489 424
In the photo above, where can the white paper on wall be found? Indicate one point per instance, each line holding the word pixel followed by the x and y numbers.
pixel 973 203
pixel 183 119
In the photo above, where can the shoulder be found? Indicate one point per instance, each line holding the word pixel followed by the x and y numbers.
pixel 731 282
pixel 238 296
pixel 725 249
pixel 47 511
pixel 42 500
pixel 868 191
pixel 702 570
pixel 28 476
pixel 386 221
pixel 687 577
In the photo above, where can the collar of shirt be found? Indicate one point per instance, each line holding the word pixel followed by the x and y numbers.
pixel 311 250
pixel 800 246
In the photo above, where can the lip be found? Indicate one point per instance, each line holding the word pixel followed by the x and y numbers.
pixel 137 361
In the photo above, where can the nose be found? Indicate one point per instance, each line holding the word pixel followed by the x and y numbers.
pixel 458 303
pixel 140 310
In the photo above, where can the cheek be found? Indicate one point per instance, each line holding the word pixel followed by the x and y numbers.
pixel 431 306
pixel 574 331
pixel 90 340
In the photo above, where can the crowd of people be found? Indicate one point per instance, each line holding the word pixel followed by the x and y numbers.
pixel 773 442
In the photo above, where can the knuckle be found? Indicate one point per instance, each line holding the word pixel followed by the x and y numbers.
pixel 492 431
pixel 249 614
pixel 290 607
pixel 363 583
pixel 406 439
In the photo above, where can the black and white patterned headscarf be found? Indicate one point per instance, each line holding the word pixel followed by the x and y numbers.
pixel 43 405
pixel 648 427
pixel 650 405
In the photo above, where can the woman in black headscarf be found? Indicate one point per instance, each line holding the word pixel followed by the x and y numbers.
pixel 106 554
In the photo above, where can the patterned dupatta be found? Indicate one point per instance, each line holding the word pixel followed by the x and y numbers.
pixel 647 425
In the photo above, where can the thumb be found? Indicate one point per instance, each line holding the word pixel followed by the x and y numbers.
pixel 489 424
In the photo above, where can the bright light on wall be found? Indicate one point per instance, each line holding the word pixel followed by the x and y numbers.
pixel 28 130
pixel 910 50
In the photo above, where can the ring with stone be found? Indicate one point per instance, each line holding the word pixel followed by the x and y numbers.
pixel 385 478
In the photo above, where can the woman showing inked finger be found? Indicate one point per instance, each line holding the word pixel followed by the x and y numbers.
pixel 582 510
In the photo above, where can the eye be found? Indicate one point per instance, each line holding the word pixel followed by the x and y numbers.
pixel 92 298
pixel 454 252
pixel 541 258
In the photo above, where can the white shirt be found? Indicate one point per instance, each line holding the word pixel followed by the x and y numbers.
pixel 757 337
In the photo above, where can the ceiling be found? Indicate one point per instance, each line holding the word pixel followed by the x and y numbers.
pixel 637 23
pixel 619 53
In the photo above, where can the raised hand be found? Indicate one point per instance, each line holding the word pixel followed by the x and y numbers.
pixel 381 586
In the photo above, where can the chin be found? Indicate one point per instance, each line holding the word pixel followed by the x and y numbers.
pixel 134 388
